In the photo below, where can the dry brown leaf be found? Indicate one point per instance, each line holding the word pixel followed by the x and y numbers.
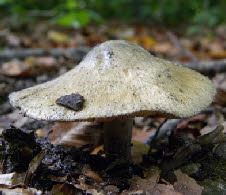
pixel 164 48
pixel 59 130
pixel 218 54
pixel 64 189
pixel 147 184
pixel 163 189
pixel 76 134
pixel 13 118
pixel 21 191
pixel 220 81
pixel 13 68
pixel 140 135
pixel 12 179
pixel 13 40
pixel 30 67
pixel 150 185
pixel 220 98
pixel 186 185
pixel 91 174
pixel 145 41
pixel 33 165
pixel 98 149
pixel 58 37
pixel 43 63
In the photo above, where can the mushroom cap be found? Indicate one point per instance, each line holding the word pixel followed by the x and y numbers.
pixel 119 79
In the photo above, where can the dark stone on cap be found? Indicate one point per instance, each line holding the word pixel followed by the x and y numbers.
pixel 73 101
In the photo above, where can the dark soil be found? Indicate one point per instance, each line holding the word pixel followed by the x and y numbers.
pixel 18 147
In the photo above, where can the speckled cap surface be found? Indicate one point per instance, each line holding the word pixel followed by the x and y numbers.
pixel 119 79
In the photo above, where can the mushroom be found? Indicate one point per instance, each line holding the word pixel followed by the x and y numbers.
pixel 118 81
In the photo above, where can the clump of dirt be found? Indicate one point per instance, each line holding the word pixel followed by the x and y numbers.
pixel 17 149
pixel 20 152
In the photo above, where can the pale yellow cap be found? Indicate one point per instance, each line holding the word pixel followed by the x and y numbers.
pixel 119 79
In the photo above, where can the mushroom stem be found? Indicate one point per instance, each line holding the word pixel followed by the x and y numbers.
pixel 117 139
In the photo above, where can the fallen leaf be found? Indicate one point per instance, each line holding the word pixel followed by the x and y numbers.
pixel 65 189
pixel 33 165
pixel 163 189
pixel 186 185
pixel 43 63
pixel 147 42
pixel 220 81
pixel 13 68
pixel 218 54
pixel 91 174
pixel 13 40
pixel 123 32
pixel 149 185
pixel 30 67
pixel 220 98
pixel 98 149
pixel 58 37
pixel 11 179
pixel 164 48
pixel 21 191
pixel 76 134
pixel 110 189
pixel 14 118
pixel 140 135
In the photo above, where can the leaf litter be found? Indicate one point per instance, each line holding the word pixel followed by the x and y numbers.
pixel 202 160
pixel 48 167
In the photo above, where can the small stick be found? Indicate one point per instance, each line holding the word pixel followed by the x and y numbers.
pixel 24 53
pixel 207 66
pixel 165 128
pixel 178 45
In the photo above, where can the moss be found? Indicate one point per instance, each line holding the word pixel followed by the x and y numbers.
pixel 191 168
pixel 213 187
pixel 213 168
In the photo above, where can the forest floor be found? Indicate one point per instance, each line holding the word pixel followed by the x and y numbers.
pixel 67 157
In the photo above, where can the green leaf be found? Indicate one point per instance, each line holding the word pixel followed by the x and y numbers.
pixel 71 4
pixel 75 19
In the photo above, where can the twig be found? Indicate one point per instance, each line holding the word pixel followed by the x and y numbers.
pixel 79 52
pixel 178 45
pixel 170 125
pixel 74 53
pixel 165 128
pixel 158 131
pixel 207 66
pixel 203 67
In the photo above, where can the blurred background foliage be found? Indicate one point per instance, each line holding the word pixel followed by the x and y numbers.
pixel 78 13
